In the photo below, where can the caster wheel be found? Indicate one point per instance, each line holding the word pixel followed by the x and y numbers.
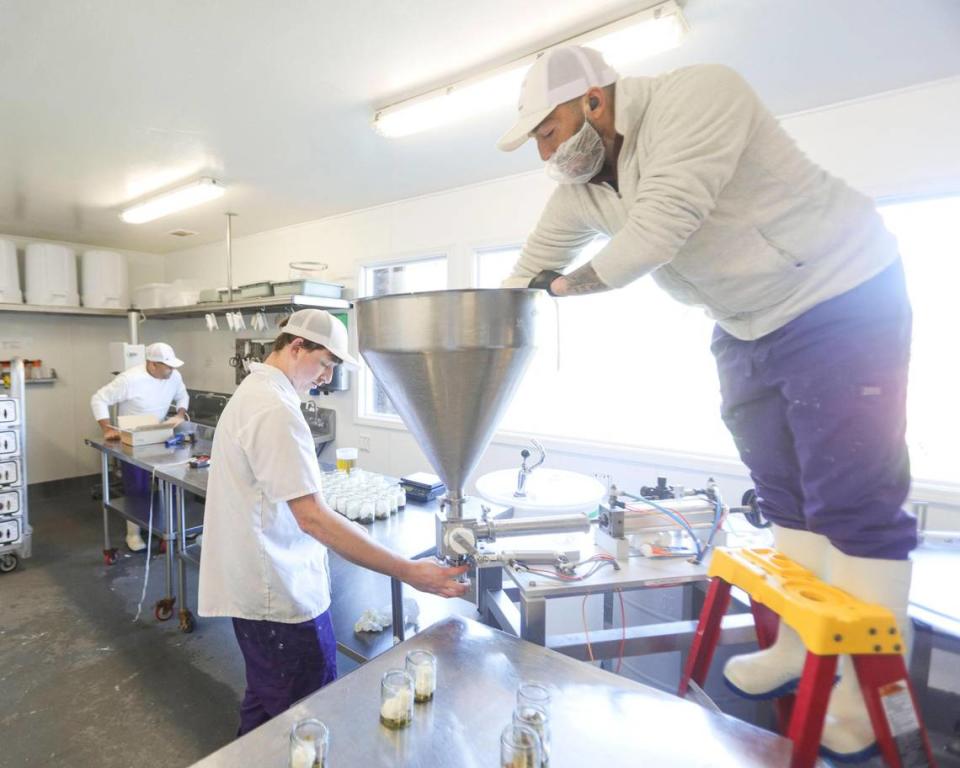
pixel 8 563
pixel 186 621
pixel 163 610
pixel 754 516
pixel 110 556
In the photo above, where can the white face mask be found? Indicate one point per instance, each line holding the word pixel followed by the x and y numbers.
pixel 579 158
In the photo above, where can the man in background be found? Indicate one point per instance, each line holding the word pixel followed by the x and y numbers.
pixel 144 389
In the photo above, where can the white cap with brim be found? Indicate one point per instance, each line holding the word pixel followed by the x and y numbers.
pixel 163 353
pixel 558 76
pixel 320 327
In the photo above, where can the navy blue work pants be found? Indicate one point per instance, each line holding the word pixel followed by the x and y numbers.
pixel 817 410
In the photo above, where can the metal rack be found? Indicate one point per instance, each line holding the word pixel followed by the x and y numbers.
pixel 15 531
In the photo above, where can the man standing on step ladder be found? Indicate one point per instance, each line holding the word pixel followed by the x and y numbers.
pixel 696 183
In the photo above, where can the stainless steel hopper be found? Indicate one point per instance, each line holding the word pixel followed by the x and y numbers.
pixel 450 362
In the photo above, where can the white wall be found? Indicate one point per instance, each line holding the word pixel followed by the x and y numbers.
pixel 58 415
pixel 901 143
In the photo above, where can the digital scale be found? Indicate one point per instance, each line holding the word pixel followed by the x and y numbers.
pixel 422 486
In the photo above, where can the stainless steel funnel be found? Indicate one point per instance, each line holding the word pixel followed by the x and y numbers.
pixel 450 362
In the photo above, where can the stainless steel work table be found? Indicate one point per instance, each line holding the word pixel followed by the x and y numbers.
pixel 410 532
pixel 162 521
pixel 597 719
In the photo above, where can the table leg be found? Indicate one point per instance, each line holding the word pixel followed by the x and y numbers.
pixel 396 605
pixel 607 624
pixel 109 553
pixel 533 619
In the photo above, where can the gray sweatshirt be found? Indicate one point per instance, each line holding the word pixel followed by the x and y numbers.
pixel 718 203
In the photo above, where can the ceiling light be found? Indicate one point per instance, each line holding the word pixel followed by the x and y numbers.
pixel 187 196
pixel 622 42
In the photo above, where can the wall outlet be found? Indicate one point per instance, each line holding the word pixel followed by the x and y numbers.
pixel 364 443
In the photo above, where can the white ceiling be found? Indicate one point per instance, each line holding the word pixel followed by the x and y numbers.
pixel 102 101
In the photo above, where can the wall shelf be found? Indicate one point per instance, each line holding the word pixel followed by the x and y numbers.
pixel 43 309
pixel 265 303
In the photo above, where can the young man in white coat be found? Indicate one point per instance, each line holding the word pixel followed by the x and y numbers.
pixel 267 527
pixel 695 183
pixel 144 389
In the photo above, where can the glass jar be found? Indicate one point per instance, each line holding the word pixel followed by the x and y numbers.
pixel 396 699
pixel 538 720
pixel 422 667
pixel 531 694
pixel 519 747
pixel 309 743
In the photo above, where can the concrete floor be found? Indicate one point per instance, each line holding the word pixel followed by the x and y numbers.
pixel 80 681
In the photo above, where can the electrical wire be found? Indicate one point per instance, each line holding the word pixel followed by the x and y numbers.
pixel 599 561
pixel 146 574
pixel 677 518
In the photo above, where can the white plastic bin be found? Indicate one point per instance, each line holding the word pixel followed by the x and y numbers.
pixel 10 292
pixel 152 296
pixel 103 277
pixel 51 272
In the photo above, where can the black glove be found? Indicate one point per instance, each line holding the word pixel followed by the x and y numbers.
pixel 544 280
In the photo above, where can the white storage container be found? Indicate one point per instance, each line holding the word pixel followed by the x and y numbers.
pixel 152 295
pixel 10 292
pixel 165 295
pixel 103 279
pixel 51 272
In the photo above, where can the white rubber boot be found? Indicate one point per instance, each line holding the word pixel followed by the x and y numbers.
pixel 135 541
pixel 847 732
pixel 776 670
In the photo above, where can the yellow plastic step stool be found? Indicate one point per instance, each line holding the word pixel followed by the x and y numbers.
pixel 830 622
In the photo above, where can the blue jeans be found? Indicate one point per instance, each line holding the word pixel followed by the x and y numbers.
pixel 284 663
pixel 817 410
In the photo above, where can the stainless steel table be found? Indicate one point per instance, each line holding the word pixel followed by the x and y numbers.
pixel 598 719
pixel 155 513
pixel 409 533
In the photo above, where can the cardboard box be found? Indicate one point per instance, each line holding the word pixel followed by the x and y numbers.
pixel 143 430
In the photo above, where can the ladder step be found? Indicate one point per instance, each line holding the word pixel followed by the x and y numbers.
pixel 829 620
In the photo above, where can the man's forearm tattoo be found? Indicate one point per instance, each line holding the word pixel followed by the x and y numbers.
pixel 584 280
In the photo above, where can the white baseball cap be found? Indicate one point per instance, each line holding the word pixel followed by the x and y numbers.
pixel 320 327
pixel 163 353
pixel 559 75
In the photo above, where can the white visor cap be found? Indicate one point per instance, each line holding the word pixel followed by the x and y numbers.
pixel 559 75
pixel 163 353
pixel 320 327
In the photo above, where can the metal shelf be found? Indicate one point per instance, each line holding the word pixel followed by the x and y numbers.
pixel 265 303
pixel 44 309
pixel 48 380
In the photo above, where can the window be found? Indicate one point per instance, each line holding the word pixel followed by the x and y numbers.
pixel 428 273
pixel 929 241
pixel 634 367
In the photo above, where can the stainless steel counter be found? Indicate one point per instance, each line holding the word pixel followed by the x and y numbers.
pixel 598 719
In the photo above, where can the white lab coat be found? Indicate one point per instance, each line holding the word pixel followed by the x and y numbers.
pixel 136 392
pixel 257 563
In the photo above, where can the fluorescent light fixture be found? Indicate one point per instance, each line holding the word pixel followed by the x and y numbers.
pixel 622 42
pixel 174 200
